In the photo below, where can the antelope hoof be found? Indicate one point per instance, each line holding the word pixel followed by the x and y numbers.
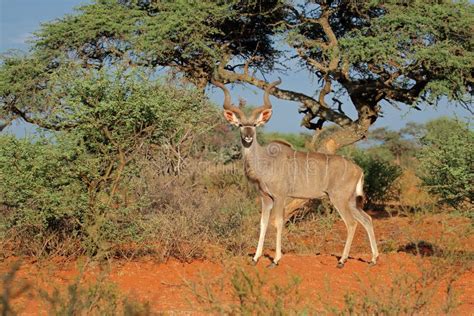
pixel 340 265
pixel 253 262
pixel 272 265
pixel 372 263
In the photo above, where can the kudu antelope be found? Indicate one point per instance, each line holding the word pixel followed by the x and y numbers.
pixel 281 172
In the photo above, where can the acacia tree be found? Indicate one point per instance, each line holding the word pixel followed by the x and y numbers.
pixel 395 51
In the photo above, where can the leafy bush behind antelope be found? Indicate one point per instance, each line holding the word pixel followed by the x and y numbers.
pixel 379 174
pixel 64 193
pixel 447 160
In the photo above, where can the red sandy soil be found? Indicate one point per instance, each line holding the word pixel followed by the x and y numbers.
pixel 166 286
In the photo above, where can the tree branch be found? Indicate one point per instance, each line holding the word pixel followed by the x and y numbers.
pixel 316 108
pixel 330 46
pixel 38 122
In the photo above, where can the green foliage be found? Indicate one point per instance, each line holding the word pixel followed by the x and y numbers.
pixel 188 35
pixel 222 145
pixel 91 80
pixel 40 184
pixel 46 185
pixel 253 300
pixel 433 39
pixel 66 184
pixel 379 174
pixel 447 160
pixel 193 36
pixel 27 83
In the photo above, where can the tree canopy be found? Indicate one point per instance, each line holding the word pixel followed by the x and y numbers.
pixel 370 51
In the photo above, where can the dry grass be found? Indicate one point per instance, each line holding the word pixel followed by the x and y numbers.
pixel 76 298
pixel 428 289
pixel 251 293
pixel 208 212
pixel 205 214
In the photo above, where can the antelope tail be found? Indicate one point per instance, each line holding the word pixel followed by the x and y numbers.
pixel 360 198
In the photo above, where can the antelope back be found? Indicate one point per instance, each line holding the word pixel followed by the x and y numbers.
pixel 297 174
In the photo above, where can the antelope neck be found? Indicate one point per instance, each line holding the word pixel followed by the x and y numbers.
pixel 251 156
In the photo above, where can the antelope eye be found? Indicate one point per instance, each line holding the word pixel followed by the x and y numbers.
pixel 240 125
pixel 254 125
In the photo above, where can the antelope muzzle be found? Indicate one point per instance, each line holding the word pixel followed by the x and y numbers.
pixel 247 135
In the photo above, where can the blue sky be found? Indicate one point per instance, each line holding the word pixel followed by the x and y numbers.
pixel 19 18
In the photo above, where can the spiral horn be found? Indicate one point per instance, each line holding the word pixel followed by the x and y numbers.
pixel 227 98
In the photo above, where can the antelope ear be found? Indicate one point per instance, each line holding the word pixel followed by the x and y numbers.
pixel 264 117
pixel 231 117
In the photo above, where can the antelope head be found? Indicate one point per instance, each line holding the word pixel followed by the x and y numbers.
pixel 247 124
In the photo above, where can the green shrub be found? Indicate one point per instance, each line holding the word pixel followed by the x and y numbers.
pixel 379 175
pixel 447 160
pixel 51 203
pixel 40 187
pixel 66 186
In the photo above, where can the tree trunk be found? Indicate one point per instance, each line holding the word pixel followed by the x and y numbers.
pixel 330 143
